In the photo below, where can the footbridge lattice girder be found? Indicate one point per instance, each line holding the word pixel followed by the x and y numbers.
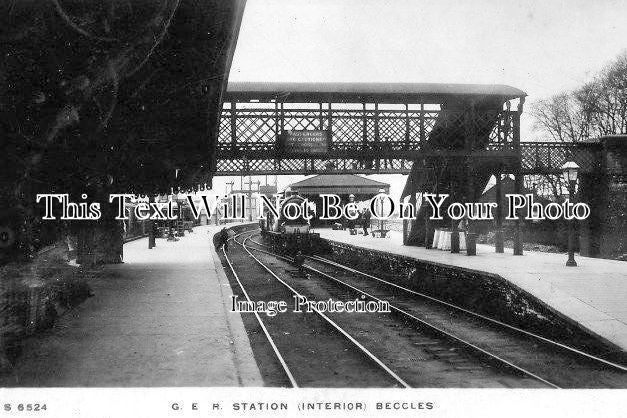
pixel 374 141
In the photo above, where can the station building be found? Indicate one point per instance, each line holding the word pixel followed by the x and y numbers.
pixel 342 185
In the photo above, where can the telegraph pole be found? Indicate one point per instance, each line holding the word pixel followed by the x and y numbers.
pixel 249 193
pixel 229 183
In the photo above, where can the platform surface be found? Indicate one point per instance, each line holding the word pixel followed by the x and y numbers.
pixel 160 319
pixel 593 294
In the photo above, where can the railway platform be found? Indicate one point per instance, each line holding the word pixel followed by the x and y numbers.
pixel 160 319
pixel 591 295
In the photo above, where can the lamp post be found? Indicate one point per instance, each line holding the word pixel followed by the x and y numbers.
pixel 569 172
pixel 381 199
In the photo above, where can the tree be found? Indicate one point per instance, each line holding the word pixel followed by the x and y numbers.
pixel 597 108
pixel 562 117
pixel 603 101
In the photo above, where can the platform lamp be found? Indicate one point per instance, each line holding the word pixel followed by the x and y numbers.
pixel 381 199
pixel 569 172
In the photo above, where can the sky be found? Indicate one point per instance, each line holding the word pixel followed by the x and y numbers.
pixel 542 47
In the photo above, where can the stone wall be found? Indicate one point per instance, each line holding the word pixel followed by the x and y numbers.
pixel 613 243
pixel 592 191
pixel 603 234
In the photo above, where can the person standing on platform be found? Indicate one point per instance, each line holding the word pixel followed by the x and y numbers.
pixel 224 239
pixel 366 215
pixel 360 217
pixel 351 219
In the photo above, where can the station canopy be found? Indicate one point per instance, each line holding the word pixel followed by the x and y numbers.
pixel 340 184
pixel 112 96
pixel 358 92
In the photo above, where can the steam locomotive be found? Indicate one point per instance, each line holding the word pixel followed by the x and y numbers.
pixel 291 236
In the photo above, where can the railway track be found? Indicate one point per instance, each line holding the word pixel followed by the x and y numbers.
pixel 415 357
pixel 306 359
pixel 549 362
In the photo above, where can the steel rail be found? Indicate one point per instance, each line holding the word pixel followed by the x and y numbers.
pixel 475 314
pixel 277 353
pixel 258 243
pixel 439 330
pixel 363 349
pixel 427 324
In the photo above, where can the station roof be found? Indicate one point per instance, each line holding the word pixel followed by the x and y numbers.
pixel 361 92
pixel 339 184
